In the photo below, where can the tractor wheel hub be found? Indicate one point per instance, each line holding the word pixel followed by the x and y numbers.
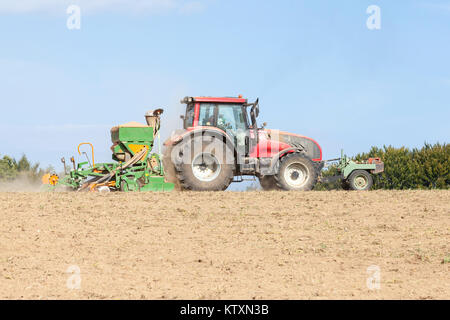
pixel 296 175
pixel 360 182
pixel 206 167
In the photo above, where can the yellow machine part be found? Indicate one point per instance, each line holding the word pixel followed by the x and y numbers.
pixel 137 148
pixel 51 179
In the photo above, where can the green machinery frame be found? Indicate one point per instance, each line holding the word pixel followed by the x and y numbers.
pixel 135 167
pixel 346 166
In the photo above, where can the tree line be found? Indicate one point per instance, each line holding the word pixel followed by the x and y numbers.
pixel 12 169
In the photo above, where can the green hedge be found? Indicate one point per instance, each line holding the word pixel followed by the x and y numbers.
pixel 425 168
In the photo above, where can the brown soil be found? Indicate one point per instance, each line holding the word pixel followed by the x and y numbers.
pixel 225 245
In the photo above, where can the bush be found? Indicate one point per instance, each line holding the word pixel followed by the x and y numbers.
pixel 8 169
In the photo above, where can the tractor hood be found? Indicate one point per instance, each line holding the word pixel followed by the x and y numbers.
pixel 311 147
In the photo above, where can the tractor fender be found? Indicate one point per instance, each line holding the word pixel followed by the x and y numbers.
pixel 275 161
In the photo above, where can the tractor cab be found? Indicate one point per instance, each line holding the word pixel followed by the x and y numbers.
pixel 223 113
pixel 234 116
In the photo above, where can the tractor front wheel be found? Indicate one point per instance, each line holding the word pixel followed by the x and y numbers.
pixel 296 172
pixel 360 180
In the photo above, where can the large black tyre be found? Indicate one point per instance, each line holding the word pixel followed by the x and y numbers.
pixel 268 183
pixel 296 172
pixel 209 166
pixel 360 180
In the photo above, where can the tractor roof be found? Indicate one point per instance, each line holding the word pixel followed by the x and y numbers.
pixel 215 99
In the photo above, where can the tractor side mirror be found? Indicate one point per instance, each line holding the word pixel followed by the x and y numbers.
pixel 256 110
pixel 264 125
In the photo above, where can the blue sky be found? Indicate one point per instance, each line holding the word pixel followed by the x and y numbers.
pixel 316 67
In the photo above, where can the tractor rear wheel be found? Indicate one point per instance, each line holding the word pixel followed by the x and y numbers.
pixel 268 183
pixel 360 180
pixel 209 166
pixel 296 172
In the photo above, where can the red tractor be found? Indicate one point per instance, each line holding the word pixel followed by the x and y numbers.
pixel 221 140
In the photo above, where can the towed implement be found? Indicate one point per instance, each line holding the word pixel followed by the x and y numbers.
pixel 355 175
pixel 135 167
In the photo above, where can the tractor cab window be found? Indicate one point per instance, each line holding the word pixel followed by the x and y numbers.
pixel 206 117
pixel 231 117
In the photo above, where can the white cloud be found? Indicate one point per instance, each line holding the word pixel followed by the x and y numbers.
pixel 98 6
